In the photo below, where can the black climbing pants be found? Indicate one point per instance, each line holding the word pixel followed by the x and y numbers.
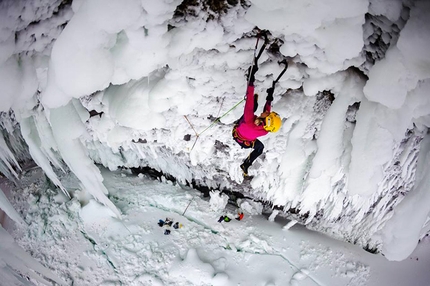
pixel 258 150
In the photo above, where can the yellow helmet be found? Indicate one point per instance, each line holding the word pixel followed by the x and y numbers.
pixel 273 122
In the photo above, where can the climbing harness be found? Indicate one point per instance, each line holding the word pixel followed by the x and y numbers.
pixel 241 140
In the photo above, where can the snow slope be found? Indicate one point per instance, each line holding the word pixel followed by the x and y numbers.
pixel 88 245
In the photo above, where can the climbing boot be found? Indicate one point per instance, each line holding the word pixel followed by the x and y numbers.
pixel 245 165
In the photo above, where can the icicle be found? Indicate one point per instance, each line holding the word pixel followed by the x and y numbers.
pixel 8 209
pixel 67 128
pixel 31 136
pixel 13 257
pixel 7 159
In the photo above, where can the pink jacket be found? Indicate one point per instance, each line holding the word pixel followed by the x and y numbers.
pixel 247 129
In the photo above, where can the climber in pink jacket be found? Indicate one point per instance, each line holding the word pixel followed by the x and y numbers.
pixel 249 127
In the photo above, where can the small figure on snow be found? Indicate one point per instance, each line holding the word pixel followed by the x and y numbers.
pixel 224 218
pixel 168 221
pixel 249 127
pixel 167 224
pixel 240 216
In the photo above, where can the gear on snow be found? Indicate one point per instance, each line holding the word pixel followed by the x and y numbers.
pixel 167 224
pixel 224 218
pixel 239 216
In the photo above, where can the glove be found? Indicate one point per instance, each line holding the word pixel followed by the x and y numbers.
pixel 251 79
pixel 264 34
pixel 251 71
pixel 269 96
pixel 254 69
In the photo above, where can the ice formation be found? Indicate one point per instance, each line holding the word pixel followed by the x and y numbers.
pixel 144 89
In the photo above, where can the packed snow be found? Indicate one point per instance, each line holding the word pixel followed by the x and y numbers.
pixel 84 243
pixel 161 85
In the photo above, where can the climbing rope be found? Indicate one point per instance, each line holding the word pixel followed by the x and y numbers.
pixel 215 121
pixel 254 61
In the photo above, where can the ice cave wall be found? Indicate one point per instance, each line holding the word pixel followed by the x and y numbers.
pixel 136 91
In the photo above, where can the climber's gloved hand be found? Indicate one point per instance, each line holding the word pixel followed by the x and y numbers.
pixel 269 96
pixel 252 71
pixel 264 34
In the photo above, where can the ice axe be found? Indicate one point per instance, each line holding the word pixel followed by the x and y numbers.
pixel 284 61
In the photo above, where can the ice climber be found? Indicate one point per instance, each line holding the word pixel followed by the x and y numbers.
pixel 249 127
